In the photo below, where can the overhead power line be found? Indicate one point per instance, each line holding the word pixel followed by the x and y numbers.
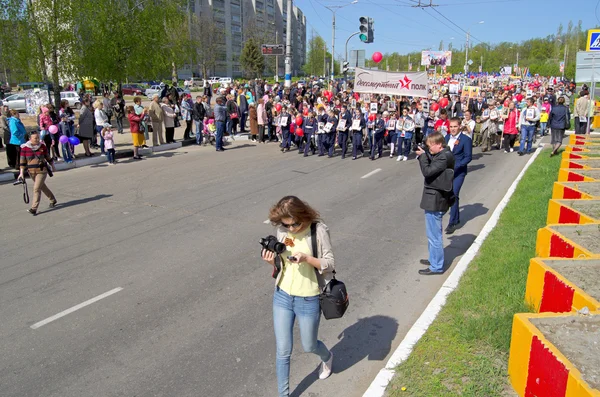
pixel 452 22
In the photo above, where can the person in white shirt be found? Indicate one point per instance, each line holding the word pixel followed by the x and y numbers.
pixel 468 125
pixel 529 118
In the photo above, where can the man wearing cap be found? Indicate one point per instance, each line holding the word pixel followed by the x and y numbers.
pixel 156 117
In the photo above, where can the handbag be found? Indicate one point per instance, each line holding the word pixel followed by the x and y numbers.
pixel 233 116
pixel 334 296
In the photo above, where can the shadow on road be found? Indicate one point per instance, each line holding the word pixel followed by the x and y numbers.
pixel 369 337
pixel 240 146
pixel 471 211
pixel 477 156
pixel 458 246
pixel 475 167
pixel 81 201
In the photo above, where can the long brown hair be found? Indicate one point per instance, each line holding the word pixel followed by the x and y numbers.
pixel 293 207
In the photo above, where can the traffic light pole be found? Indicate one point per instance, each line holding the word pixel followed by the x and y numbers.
pixel 345 71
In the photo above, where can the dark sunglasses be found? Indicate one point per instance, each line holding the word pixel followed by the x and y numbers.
pixel 294 225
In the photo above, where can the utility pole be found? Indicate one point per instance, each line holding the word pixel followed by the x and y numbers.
pixel 288 45
pixel 467 55
pixel 564 62
pixel 276 57
pixel 333 10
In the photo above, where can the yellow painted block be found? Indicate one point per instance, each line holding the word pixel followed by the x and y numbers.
pixel 563 175
pixel 544 248
pixel 520 347
pixel 535 284
pixel 562 189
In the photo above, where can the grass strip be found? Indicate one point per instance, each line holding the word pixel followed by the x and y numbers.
pixel 465 350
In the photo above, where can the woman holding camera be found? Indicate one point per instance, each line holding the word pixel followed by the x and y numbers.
pixel 303 275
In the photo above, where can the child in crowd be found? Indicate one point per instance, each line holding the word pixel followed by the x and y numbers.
pixel 109 144
pixel 477 131
pixel 543 121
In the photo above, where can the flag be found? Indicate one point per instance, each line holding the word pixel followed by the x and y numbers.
pixel 410 66
pixel 562 67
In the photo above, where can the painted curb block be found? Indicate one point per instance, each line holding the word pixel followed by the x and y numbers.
pixel 537 368
pixel 575 190
pixel 590 147
pixel 584 164
pixel 573 175
pixel 587 155
pixel 581 139
pixel 549 291
pixel 572 212
pixel 552 242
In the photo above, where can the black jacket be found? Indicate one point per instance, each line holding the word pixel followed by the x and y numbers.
pixel 559 117
pixel 433 168
pixel 199 111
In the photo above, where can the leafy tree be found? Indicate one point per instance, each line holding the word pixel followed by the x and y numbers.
pixel 317 58
pixel 252 59
pixel 208 39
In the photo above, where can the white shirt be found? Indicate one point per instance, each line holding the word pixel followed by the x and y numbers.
pixel 453 140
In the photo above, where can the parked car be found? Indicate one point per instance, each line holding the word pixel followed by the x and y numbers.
pixel 181 91
pixel 72 97
pixel 16 101
pixel 154 89
pixel 132 89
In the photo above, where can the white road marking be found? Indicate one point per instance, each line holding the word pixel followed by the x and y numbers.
pixel 370 173
pixel 74 308
pixel 414 334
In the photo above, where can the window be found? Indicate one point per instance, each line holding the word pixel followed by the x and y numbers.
pixel 236 29
pixel 236 18
pixel 236 9
pixel 260 5
pixel 222 56
pixel 270 10
pixel 218 3
pixel 192 6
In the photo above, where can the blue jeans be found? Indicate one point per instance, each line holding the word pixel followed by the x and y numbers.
pixel 527 132
pixel 199 130
pixel 543 128
pixel 220 133
pixel 99 132
pixel 435 245
pixel 285 310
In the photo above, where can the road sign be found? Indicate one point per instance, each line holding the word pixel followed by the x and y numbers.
pixel 593 40
pixel 357 59
pixel 588 67
pixel 470 62
pixel 273 49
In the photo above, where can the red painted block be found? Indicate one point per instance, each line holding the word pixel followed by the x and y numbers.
pixel 547 376
pixel 571 193
pixel 567 215
pixel 557 297
pixel 572 177
pixel 559 248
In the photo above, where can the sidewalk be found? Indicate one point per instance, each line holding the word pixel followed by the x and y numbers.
pixel 123 148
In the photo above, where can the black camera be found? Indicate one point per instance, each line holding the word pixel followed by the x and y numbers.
pixel 19 181
pixel 270 243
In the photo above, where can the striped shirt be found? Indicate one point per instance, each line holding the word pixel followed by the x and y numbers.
pixel 30 158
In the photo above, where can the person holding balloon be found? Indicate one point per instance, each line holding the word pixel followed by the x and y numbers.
pixel 285 122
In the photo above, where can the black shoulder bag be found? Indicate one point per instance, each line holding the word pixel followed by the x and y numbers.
pixel 334 297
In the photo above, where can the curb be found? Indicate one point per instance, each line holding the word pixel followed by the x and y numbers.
pixel 563 212
pixel 9 176
pixel 416 332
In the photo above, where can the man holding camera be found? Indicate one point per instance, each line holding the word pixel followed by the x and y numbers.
pixel 437 166
pixel 38 163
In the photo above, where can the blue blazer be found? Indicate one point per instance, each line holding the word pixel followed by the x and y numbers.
pixel 463 153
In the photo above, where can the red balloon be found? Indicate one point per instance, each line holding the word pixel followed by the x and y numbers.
pixel 305 112
pixel 278 107
pixel 506 103
pixel 372 117
pixel 435 107
pixel 377 57
pixel 299 121
pixel 519 97
pixel 444 102
pixel 292 128
pixel 299 131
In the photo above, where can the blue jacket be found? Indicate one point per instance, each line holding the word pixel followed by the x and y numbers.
pixel 310 125
pixel 559 117
pixel 463 153
pixel 17 131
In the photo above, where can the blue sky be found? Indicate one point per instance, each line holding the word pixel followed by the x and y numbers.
pixel 402 28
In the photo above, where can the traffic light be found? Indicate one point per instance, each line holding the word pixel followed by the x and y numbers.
pixel 345 67
pixel 366 29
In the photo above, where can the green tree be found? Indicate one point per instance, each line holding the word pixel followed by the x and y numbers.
pixel 318 58
pixel 252 59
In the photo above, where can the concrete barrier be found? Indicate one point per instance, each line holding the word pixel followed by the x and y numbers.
pixel 573 212
pixel 560 285
pixel 575 175
pixel 584 164
pixel 568 241
pixel 537 367
pixel 576 190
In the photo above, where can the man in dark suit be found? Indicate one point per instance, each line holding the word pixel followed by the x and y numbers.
pixel 477 107
pixel 462 147
pixel 437 165
pixel 455 107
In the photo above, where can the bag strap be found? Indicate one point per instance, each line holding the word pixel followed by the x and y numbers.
pixel 313 239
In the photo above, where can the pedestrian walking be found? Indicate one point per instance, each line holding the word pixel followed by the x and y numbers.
pixel 35 159
pixel 559 120
pixel 303 275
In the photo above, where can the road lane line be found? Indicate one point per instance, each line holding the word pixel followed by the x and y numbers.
pixel 74 308
pixel 370 173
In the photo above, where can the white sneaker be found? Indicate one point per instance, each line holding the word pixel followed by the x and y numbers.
pixel 405 158
pixel 512 150
pixel 326 368
pixel 399 158
pixel 391 155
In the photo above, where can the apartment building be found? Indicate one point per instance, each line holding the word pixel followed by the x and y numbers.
pixel 240 19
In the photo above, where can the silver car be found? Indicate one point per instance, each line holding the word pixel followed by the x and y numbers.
pixel 16 101
pixel 72 97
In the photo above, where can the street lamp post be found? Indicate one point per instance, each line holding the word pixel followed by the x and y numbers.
pixel 333 10
pixel 467 49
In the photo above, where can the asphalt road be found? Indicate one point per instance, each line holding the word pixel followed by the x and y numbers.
pixel 178 232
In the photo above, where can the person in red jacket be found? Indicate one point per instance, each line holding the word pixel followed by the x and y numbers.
pixel 443 124
pixel 511 118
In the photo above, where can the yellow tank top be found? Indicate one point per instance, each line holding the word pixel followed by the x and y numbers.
pixel 298 279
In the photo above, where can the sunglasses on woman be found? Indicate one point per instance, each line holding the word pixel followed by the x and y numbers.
pixel 294 225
